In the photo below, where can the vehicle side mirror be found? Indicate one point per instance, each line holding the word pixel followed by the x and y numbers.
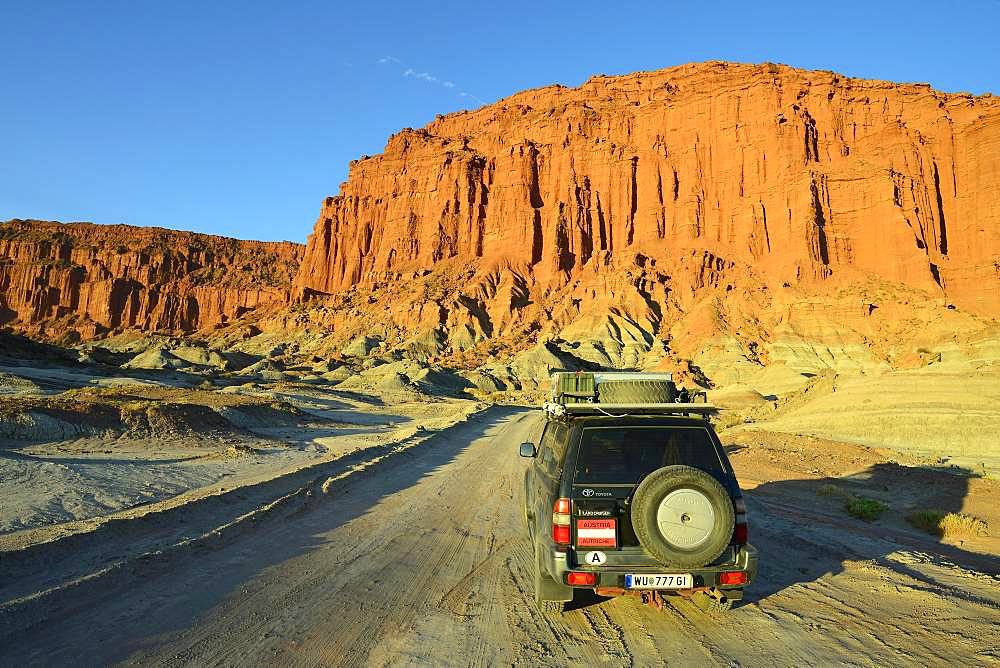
pixel 528 449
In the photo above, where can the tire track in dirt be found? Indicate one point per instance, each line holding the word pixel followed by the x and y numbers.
pixel 427 563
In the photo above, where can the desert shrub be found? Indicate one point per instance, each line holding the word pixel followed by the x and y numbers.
pixel 830 490
pixel 726 419
pixel 864 508
pixel 947 525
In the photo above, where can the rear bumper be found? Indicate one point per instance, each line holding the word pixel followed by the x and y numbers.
pixel 612 574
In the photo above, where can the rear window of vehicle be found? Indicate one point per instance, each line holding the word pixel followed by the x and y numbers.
pixel 625 455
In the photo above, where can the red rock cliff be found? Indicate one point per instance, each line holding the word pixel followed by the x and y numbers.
pixel 90 278
pixel 794 176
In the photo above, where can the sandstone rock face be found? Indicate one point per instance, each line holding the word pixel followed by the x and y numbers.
pixel 634 194
pixel 731 223
pixel 88 279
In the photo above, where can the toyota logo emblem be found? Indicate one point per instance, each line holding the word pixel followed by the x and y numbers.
pixel 588 492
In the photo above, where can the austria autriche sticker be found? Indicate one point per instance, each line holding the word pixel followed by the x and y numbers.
pixel 597 533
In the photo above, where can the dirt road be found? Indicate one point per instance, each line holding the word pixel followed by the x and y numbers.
pixel 425 561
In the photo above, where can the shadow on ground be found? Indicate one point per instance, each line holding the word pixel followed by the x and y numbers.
pixel 219 578
pixel 804 532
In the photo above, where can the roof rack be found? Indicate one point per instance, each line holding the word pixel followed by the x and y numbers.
pixel 622 410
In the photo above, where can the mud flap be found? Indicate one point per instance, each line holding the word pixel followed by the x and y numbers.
pixel 653 599
pixel 547 589
pixel 733 594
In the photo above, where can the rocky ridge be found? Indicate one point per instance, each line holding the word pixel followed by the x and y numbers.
pixel 648 214
pixel 80 280
pixel 788 174
pixel 714 219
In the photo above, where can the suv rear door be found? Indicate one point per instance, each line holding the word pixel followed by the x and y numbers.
pixel 610 462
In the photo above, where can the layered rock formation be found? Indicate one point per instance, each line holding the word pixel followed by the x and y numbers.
pixel 705 218
pixel 790 176
pixel 83 279
pixel 713 219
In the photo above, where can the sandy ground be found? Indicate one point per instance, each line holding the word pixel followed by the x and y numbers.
pixel 417 554
pixel 267 430
pixel 950 414
pixel 945 413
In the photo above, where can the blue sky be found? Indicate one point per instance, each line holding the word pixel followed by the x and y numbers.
pixel 237 118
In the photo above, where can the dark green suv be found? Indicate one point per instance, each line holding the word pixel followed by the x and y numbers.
pixel 635 499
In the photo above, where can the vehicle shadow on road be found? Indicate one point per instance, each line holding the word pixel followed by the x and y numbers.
pixel 584 598
pixel 804 531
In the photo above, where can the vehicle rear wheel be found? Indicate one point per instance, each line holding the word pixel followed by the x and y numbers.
pixel 711 604
pixel 682 516
pixel 543 584
pixel 552 607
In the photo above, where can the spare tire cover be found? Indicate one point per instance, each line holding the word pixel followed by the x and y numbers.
pixel 682 516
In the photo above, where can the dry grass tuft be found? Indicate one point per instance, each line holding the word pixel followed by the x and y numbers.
pixel 948 525
pixel 831 490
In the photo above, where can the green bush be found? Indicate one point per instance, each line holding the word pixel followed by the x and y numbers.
pixel 864 508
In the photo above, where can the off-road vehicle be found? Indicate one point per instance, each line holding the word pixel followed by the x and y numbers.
pixel 629 491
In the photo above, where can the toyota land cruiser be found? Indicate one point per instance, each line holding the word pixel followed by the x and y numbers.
pixel 630 492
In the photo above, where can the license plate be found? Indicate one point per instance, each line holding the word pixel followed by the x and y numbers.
pixel 659 581
pixel 597 533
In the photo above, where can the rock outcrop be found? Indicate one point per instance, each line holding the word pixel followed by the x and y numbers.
pixel 715 220
pixel 695 176
pixel 82 280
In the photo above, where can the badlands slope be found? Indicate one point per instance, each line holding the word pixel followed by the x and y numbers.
pixel 822 252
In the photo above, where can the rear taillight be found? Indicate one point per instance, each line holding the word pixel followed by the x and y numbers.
pixel 733 578
pixel 560 522
pixel 740 532
pixel 581 579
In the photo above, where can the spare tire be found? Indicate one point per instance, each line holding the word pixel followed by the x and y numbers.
pixel 636 392
pixel 682 516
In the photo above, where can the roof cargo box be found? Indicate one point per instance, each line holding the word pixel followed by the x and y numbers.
pixel 573 387
pixel 619 386
pixel 630 392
